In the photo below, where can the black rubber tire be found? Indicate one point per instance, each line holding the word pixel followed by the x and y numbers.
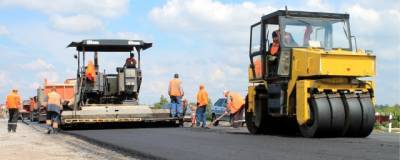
pixel 353 115
pixel 368 114
pixel 320 112
pixel 338 115
pixel 249 118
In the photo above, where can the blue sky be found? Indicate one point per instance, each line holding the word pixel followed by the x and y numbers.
pixel 204 40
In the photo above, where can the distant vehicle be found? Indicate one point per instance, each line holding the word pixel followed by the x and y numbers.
pixel 218 109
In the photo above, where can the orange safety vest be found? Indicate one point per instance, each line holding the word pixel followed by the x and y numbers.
pixel 257 67
pixel 175 87
pixel 235 102
pixel 54 98
pixel 274 49
pixel 13 101
pixel 90 72
pixel 202 96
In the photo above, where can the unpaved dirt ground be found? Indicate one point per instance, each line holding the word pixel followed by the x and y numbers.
pixel 32 143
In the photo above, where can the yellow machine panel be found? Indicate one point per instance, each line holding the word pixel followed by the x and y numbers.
pixel 313 62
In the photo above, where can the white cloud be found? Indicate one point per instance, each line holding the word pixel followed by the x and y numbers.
pixel 3 30
pixel 77 23
pixel 103 8
pixel 129 35
pixel 213 19
pixel 38 64
pixel 43 70
pixel 51 76
pixel 225 27
pixel 74 16
pixel 365 16
pixel 34 85
pixel 317 5
pixel 217 75
pixel 377 29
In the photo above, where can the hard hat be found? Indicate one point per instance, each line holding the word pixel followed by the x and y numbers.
pixel 226 92
pixel 15 90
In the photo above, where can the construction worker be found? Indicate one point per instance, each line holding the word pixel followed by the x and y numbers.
pixel 307 35
pixel 202 101
pixel 175 92
pixel 131 61
pixel 234 105
pixel 273 53
pixel 274 47
pixel 184 104
pixel 32 104
pixel 13 104
pixel 90 71
pixel 288 39
pixel 54 109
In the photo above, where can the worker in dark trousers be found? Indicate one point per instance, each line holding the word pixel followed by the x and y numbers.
pixel 202 102
pixel 13 104
pixel 175 92
pixel 54 109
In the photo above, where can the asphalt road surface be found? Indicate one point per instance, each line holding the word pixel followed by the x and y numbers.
pixel 228 143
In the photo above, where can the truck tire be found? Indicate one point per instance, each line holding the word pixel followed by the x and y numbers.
pixel 320 112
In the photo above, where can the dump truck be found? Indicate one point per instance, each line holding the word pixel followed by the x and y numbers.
pixel 110 97
pixel 65 89
pixel 315 82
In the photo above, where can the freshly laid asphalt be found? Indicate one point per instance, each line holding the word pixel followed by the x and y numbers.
pixel 231 144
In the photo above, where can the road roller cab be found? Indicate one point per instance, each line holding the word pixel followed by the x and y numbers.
pixel 303 69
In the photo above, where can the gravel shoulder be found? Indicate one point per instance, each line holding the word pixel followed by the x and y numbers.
pixel 30 142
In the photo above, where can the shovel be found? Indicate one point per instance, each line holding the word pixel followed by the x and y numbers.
pixel 217 119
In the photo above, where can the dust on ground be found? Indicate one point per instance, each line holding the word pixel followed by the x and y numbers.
pixel 34 144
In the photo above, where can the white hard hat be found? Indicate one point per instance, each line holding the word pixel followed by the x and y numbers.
pixel 226 92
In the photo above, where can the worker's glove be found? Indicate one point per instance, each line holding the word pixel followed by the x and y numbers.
pixel 271 58
pixel 227 111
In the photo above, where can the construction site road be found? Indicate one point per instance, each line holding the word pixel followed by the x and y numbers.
pixel 229 143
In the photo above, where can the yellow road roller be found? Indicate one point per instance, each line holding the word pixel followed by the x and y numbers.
pixel 306 75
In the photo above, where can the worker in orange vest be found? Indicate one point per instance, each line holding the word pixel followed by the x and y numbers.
pixel 90 71
pixel 175 92
pixel 13 104
pixel 202 102
pixel 234 105
pixel 273 52
pixel 131 61
pixel 54 109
